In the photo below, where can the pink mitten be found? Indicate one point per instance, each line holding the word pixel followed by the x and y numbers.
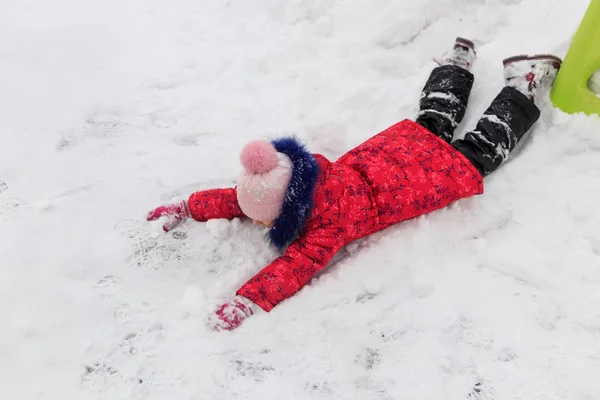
pixel 231 315
pixel 175 213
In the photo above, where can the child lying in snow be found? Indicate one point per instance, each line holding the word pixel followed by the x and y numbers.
pixel 314 206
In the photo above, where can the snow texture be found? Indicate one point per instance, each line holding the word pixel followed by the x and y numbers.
pixel 111 108
pixel 594 82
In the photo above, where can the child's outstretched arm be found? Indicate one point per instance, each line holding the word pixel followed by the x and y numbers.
pixel 213 204
pixel 282 278
pixel 302 260
pixel 202 206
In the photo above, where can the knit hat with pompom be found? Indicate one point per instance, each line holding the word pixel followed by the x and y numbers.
pixel 263 184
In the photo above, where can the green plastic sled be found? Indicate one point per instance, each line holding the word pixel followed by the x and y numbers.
pixel 570 91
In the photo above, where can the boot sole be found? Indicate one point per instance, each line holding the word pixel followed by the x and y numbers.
pixel 556 61
pixel 513 59
pixel 465 42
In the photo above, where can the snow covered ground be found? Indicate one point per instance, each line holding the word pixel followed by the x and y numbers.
pixel 109 108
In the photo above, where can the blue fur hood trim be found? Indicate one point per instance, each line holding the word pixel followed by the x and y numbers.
pixel 298 202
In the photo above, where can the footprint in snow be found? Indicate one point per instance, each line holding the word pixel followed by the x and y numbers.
pixel 110 383
pixel 369 359
pixel 3 186
pixel 155 257
pixel 507 355
pixel 468 332
pixel 153 249
pixel 126 313
pixel 320 388
pixel 99 376
pixel 101 124
pixel 109 123
pixel 255 371
pixel 482 391
pixel 109 285
pixel 14 208
pixel 144 342
pixel 157 381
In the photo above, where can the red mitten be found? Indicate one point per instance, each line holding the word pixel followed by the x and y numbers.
pixel 175 213
pixel 231 315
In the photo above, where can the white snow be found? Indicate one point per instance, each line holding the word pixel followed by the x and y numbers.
pixel 594 82
pixel 110 108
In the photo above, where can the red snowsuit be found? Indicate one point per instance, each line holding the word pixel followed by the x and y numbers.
pixel 401 173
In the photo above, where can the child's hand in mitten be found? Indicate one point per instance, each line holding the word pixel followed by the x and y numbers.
pixel 175 213
pixel 231 315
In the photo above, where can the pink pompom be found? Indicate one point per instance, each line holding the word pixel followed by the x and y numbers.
pixel 259 157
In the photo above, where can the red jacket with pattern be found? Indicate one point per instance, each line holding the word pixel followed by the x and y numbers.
pixel 401 173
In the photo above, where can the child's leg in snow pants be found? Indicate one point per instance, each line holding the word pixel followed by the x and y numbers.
pixel 502 126
pixel 444 102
